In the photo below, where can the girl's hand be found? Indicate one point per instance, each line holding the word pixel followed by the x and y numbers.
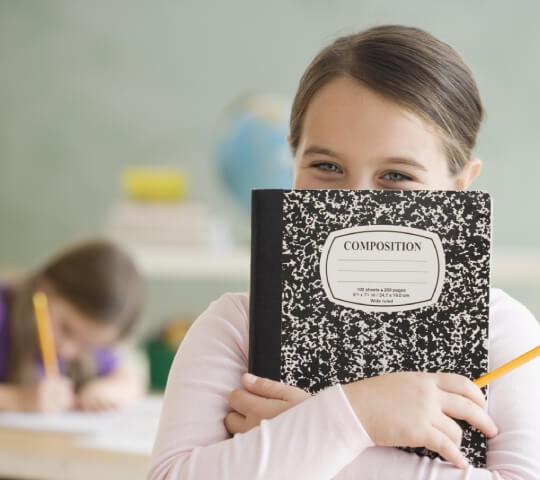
pixel 260 399
pixel 50 395
pixel 102 394
pixel 411 409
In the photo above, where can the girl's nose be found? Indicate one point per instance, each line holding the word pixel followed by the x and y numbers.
pixel 361 183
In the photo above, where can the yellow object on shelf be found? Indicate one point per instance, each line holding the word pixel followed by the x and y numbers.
pixel 176 331
pixel 154 184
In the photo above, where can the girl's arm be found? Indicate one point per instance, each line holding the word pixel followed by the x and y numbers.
pixel 49 395
pixel 9 397
pixel 121 386
pixel 315 440
pixel 513 403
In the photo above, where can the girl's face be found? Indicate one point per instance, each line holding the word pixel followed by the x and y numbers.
pixel 75 333
pixel 353 138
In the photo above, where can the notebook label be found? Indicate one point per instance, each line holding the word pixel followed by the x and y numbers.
pixel 383 268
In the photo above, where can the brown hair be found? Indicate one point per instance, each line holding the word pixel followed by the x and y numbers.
pixel 410 67
pixel 96 277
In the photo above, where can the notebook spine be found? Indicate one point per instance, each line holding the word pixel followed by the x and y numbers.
pixel 253 287
pixel 265 284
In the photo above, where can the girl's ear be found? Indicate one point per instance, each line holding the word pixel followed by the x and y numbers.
pixel 469 173
pixel 291 151
pixel 290 146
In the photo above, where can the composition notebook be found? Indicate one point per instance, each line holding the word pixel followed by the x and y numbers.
pixel 351 284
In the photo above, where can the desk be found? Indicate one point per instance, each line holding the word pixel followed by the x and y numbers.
pixel 113 446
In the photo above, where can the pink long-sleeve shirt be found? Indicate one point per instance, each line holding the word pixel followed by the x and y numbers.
pixel 321 438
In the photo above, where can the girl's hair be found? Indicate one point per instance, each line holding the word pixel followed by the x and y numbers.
pixel 410 67
pixel 97 278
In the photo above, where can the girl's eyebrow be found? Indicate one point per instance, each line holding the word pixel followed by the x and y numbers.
pixel 407 161
pixel 316 150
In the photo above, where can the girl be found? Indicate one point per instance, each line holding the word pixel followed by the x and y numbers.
pixel 94 294
pixel 388 108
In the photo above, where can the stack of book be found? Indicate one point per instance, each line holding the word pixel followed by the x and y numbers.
pixel 186 225
pixel 156 213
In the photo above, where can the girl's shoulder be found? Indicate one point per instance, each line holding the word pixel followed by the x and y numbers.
pixel 232 307
pixel 226 318
pixel 513 329
pixel 238 301
pixel 505 311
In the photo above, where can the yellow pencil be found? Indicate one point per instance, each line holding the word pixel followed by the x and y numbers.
pixel 507 367
pixel 46 339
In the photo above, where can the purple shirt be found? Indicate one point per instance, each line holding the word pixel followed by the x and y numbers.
pixel 105 358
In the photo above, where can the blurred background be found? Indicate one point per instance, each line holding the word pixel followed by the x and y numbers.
pixel 136 120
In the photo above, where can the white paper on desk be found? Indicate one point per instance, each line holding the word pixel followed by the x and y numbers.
pixel 142 418
pixel 133 431
pixel 69 422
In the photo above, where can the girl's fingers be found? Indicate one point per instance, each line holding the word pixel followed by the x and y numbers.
pixel 264 387
pixel 94 403
pixel 438 442
pixel 102 404
pixel 454 383
pixel 267 388
pixel 450 428
pixel 248 403
pixel 89 404
pixel 235 423
pixel 462 408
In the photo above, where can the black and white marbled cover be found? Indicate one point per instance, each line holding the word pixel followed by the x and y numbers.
pixel 323 343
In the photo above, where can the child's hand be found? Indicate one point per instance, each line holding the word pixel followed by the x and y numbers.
pixel 50 395
pixel 102 394
pixel 411 409
pixel 261 399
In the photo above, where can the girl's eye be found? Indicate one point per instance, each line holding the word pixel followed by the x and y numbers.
pixel 327 167
pixel 396 177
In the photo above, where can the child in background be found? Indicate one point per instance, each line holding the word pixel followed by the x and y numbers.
pixel 388 108
pixel 95 294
